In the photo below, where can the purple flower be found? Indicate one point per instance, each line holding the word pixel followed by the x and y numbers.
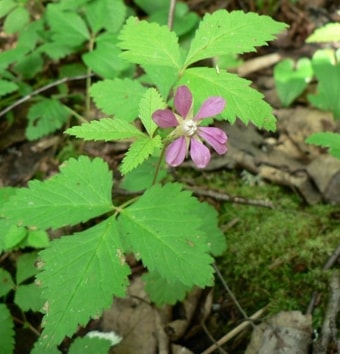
pixel 188 134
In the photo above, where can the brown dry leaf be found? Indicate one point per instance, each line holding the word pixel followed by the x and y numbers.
pixel 286 332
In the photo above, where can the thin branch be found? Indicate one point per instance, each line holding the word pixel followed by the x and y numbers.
pixel 42 89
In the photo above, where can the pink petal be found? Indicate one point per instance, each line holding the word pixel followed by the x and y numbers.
pixel 164 118
pixel 211 107
pixel 183 100
pixel 215 137
pixel 176 151
pixel 199 153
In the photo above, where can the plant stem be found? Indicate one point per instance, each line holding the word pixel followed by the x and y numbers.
pixel 171 15
pixel 158 166
pixel 88 81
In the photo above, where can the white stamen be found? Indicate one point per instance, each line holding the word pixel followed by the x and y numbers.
pixel 189 127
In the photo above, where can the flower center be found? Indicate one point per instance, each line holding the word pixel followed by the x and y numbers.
pixel 189 127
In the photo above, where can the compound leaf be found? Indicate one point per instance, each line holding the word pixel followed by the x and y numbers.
pixel 105 129
pixel 163 229
pixel 119 97
pixel 149 44
pixel 243 102
pixel 6 330
pixel 81 275
pixel 81 191
pixel 233 32
pixel 139 151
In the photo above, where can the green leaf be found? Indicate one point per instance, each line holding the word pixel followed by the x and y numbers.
pixel 26 267
pixel 16 20
pixel 106 129
pixel 6 330
pixel 163 230
pixel 6 7
pixel 233 32
pixel 29 66
pixel 163 291
pixel 37 239
pixel 119 97
pixel 81 275
pixel 45 117
pixel 291 80
pixel 67 27
pixel 81 191
pixel 327 33
pixel 243 102
pixel 104 60
pixel 327 71
pixel 6 284
pixel 142 176
pixel 89 345
pixel 32 34
pixel 149 44
pixel 7 87
pixel 150 102
pixel 106 14
pixel 14 236
pixel 327 139
pixel 28 297
pixel 164 77
pixel 139 151
pixel 151 6
pixel 55 50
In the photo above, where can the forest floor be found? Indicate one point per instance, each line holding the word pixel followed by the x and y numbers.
pixel 279 205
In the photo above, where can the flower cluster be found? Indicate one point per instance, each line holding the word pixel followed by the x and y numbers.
pixel 188 135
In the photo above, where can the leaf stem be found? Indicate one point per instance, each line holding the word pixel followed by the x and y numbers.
pixel 158 166
pixel 88 81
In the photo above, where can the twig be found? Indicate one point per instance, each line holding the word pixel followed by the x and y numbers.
pixel 42 89
pixel 328 265
pixel 231 294
pixel 171 14
pixel 234 332
pixel 221 350
pixel 225 197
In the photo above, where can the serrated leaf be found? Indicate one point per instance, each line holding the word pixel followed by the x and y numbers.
pixel 163 230
pixel 163 291
pixel 26 267
pixel 6 330
pixel 16 20
pixel 326 139
pixel 28 297
pixel 104 60
pixel 81 191
pixel 139 151
pixel 6 283
pixel 106 129
pixel 142 176
pixel 215 237
pixel 32 34
pixel 45 117
pixel 243 102
pixel 235 32
pixel 150 102
pixel 291 80
pixel 89 345
pixel 67 27
pixel 29 65
pixel 37 239
pixel 119 97
pixel 7 87
pixel 149 43
pixel 55 50
pixel 327 33
pixel 81 275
